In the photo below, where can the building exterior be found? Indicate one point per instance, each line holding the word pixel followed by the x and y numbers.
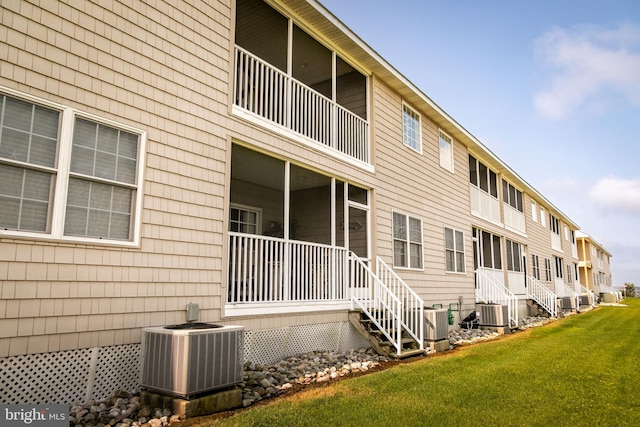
pixel 594 265
pixel 156 154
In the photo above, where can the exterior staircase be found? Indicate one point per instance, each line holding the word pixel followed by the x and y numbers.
pixel 540 299
pixel 391 315
pixel 378 340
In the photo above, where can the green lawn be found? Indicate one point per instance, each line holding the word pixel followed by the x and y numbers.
pixel 578 371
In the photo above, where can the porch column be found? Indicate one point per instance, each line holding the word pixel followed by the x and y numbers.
pixel 287 245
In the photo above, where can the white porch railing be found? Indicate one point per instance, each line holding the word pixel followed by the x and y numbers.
pixel 484 205
pixel 556 241
pixel 268 269
pixel 491 291
pixel 513 218
pixel 542 295
pixel 412 315
pixel 270 93
pixel 385 309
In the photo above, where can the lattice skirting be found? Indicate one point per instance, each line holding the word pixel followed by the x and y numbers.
pixel 77 376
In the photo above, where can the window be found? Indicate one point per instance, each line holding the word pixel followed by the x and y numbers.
pixel 407 241
pixel 536 266
pixel 454 250
pixel 512 196
pixel 483 177
pixel 566 233
pixel 411 128
pixel 514 256
pixel 446 151
pixel 100 182
pixel 490 254
pixel 569 274
pixel 547 269
pixel 554 224
pixel 559 268
pixel 244 219
pixel 543 216
pixel 534 212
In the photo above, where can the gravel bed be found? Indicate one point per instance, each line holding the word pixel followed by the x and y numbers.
pixel 264 381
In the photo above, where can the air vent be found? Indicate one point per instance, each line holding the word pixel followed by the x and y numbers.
pixel 436 324
pixel 190 359
pixel 493 315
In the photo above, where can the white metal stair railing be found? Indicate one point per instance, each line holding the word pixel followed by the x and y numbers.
pixel 565 291
pixel 381 306
pixel 584 291
pixel 491 291
pixel 412 316
pixel 542 295
pixel 388 312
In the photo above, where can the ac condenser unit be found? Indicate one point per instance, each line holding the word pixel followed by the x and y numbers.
pixel 494 315
pixel 192 358
pixel 436 324
pixel 585 300
pixel 568 303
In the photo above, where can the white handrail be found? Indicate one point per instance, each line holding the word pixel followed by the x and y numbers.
pixel 542 295
pixel 382 307
pixel 492 291
pixel 412 317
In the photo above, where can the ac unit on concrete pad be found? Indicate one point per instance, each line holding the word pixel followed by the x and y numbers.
pixel 192 358
pixel 493 315
pixel 568 303
pixel 436 324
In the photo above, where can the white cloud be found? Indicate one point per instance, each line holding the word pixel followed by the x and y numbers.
pixel 586 63
pixel 617 194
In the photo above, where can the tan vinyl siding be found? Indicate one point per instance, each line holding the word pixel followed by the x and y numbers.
pixel 416 185
pixel 165 70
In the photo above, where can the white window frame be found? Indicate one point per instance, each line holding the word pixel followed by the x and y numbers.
pixel 247 208
pixel 554 224
pixel 411 137
pixel 535 263
pixel 534 211
pixel 445 144
pixel 407 241
pixel 547 270
pixel 543 217
pixel 458 267
pixel 517 201
pixel 514 252
pixel 492 184
pixel 62 172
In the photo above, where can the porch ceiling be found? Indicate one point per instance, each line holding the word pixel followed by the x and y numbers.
pixel 257 168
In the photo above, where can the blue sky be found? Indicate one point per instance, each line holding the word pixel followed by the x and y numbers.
pixel 551 87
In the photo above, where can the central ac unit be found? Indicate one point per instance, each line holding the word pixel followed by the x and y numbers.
pixel 436 324
pixel 585 300
pixel 192 358
pixel 493 315
pixel 568 303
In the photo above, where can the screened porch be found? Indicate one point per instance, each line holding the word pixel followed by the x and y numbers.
pixel 286 77
pixel 294 235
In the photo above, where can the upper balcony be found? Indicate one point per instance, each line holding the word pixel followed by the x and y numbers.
pixel 293 83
